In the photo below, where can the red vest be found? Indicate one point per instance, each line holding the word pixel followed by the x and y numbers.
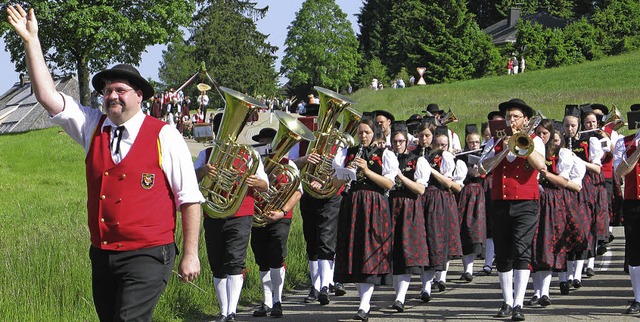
pixel 515 180
pixel 607 160
pixel 130 205
pixel 631 181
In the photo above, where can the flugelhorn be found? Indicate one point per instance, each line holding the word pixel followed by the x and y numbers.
pixel 233 162
pixel 284 179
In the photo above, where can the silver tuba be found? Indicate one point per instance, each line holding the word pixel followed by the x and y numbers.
pixel 234 162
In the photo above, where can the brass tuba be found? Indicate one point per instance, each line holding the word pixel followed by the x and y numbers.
pixel 350 121
pixel 283 178
pixel 448 117
pixel 234 162
pixel 328 139
pixel 615 119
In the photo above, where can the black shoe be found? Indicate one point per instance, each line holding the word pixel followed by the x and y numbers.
pixel 577 284
pixel 590 272
pixel 564 288
pixel 505 310
pixel 339 289
pixel 611 237
pixel 601 249
pixel 276 311
pixel 220 318
pixel 361 316
pixel 487 270
pixel 323 297
pixel 467 277
pixel 634 308
pixel 442 286
pixel 516 314
pixel 261 311
pixel 312 297
pixel 398 306
pixel 425 297
pixel 534 301
pixel 544 301
pixel 332 288
pixel 231 317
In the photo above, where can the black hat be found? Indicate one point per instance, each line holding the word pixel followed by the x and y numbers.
pixel 430 120
pixel 124 72
pixel 434 109
pixel 413 122
pixel 493 114
pixel 558 127
pixel 601 107
pixel 635 107
pixel 399 126
pixel 573 110
pixel 633 119
pixel 585 109
pixel 385 114
pixel 371 115
pixel 415 117
pixel 265 133
pixel 516 103
pixel 442 129
pixel 470 128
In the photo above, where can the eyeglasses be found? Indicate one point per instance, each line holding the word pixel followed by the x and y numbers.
pixel 119 91
pixel 515 117
pixel 399 141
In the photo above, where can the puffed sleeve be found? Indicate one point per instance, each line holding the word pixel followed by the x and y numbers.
pixel 448 164
pixel 460 172
pixel 578 170
pixel 595 151
pixel 338 161
pixel 618 152
pixel 390 165
pixel 423 171
pixel 565 163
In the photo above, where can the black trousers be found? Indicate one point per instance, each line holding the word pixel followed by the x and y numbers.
pixel 514 225
pixel 127 285
pixel 320 225
pixel 269 244
pixel 632 231
pixel 227 241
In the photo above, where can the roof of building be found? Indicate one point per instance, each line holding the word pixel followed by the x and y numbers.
pixel 504 31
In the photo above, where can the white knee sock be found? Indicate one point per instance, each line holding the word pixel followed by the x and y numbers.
pixel 427 279
pixel 401 286
pixel 441 276
pixel 315 274
pixel 234 288
pixel 467 260
pixel 365 290
pixel 591 263
pixel 506 283
pixel 577 275
pixel 489 252
pixel 265 278
pixel 546 282
pixel 277 280
pixel 571 267
pixel 537 283
pixel 634 274
pixel 325 268
pixel 520 282
pixel 220 284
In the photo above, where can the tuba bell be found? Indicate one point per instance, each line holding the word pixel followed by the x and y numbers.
pixel 328 139
pixel 234 162
pixel 614 119
pixel 284 179
pixel 350 121
pixel 448 117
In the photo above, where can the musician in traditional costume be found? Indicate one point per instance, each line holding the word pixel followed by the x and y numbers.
pixel 625 162
pixel 363 253
pixel 454 139
pixel 515 197
pixel 560 182
pixel 409 238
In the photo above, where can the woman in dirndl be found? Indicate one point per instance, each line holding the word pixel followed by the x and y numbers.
pixel 409 237
pixel 560 183
pixel 363 252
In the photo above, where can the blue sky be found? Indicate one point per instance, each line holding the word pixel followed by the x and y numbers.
pixel 279 17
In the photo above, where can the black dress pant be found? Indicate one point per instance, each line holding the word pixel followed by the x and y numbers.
pixel 227 241
pixel 320 225
pixel 514 225
pixel 269 244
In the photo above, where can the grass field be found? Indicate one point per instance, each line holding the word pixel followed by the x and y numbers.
pixel 45 240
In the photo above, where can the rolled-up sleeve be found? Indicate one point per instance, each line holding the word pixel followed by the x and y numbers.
pixel 178 167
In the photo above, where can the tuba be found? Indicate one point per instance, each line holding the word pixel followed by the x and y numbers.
pixel 350 121
pixel 234 162
pixel 614 119
pixel 328 140
pixel 448 117
pixel 283 178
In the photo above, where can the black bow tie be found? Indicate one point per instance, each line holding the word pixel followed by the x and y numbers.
pixel 117 133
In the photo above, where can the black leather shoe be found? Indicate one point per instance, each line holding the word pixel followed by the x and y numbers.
pixel 220 318
pixel 312 297
pixel 487 270
pixel 425 297
pixel 276 311
pixel 577 284
pixel 601 249
pixel 361 316
pixel 442 286
pixel 534 301
pixel 516 314
pixel 467 277
pixel 505 310
pixel 323 297
pixel 398 306
pixel 261 311
pixel 564 288
pixel 231 317
pixel 590 272
pixel 634 308
pixel 544 301
pixel 339 289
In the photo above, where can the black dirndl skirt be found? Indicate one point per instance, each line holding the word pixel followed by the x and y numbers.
pixel 442 226
pixel 549 242
pixel 410 253
pixel 472 210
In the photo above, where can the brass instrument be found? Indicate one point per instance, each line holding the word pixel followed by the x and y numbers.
pixel 448 117
pixel 234 162
pixel 283 178
pixel 347 185
pixel 328 140
pixel 615 118
pixel 466 152
pixel 350 121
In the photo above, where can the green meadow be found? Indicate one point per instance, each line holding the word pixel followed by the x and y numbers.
pixel 45 273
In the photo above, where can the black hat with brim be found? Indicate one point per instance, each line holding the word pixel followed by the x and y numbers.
pixel 265 133
pixel 123 72
pixel 516 103
pixel 493 114
pixel 635 107
pixel 385 114
pixel 434 109
pixel 601 107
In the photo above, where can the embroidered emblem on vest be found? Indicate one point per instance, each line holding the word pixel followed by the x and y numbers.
pixel 147 180
pixel 527 165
